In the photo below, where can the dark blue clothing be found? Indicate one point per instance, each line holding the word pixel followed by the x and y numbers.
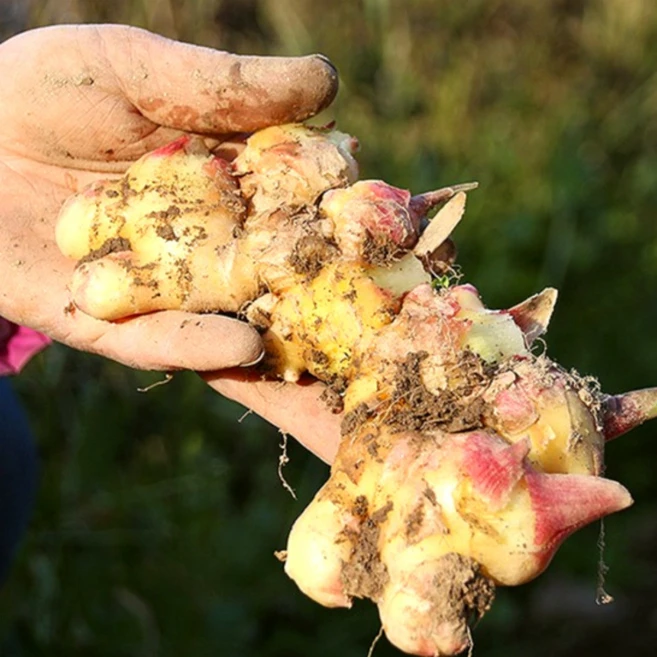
pixel 18 474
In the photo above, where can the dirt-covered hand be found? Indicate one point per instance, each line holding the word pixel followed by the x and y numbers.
pixel 81 103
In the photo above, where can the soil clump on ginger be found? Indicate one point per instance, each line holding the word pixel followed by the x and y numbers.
pixel 311 254
pixel 380 250
pixel 364 576
pixel 110 245
pixel 461 589
pixel 458 407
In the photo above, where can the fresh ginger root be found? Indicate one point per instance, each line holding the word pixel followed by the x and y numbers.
pixel 465 459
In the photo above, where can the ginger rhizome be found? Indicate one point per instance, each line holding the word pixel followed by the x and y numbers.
pixel 466 459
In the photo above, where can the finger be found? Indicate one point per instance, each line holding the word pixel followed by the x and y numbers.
pixel 296 409
pixel 166 341
pixel 202 90
pixel 175 340
pixel 36 295
pixel 111 93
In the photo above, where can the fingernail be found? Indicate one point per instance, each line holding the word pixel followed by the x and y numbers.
pixel 331 82
pixel 327 61
pixel 254 362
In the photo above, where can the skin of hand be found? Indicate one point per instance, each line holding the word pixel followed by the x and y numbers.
pixel 295 408
pixel 81 103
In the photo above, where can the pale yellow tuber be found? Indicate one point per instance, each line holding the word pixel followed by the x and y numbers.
pixel 465 458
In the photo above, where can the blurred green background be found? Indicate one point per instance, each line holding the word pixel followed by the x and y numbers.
pixel 159 513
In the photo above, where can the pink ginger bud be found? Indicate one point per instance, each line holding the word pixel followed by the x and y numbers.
pixel 172 147
pixel 533 315
pixel 421 204
pixel 516 517
pixel 493 467
pixel 564 503
pixel 369 209
pixel 622 413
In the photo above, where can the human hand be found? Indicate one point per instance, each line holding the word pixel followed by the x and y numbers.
pixel 297 409
pixel 81 103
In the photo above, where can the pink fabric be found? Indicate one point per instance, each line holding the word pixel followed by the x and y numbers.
pixel 17 345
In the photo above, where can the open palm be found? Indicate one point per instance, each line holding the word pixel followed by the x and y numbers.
pixel 81 103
